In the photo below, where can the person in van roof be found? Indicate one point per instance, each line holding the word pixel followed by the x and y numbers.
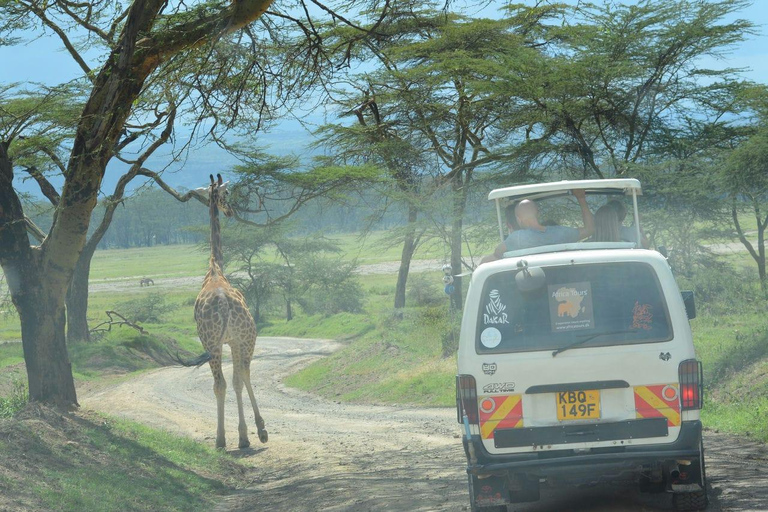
pixel 533 234
pixel 626 233
pixel 607 224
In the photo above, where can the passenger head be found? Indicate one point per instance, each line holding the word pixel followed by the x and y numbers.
pixel 621 210
pixel 509 214
pixel 607 224
pixel 527 213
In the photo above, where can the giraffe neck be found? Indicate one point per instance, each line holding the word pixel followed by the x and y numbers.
pixel 216 253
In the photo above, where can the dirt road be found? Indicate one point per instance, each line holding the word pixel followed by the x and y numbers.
pixel 327 456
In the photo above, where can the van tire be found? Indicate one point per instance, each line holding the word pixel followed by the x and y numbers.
pixel 689 501
pixel 694 500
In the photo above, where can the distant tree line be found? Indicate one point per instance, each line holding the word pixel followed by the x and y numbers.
pixel 151 217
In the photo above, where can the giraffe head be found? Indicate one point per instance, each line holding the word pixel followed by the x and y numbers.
pixel 219 195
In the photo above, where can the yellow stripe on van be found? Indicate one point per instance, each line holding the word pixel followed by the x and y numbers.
pixel 662 407
pixel 487 428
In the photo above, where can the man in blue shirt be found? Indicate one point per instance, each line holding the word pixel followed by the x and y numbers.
pixel 533 234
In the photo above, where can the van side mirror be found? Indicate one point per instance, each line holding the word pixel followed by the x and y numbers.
pixel 690 304
pixel 662 249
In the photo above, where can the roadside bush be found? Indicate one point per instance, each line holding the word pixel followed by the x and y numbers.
pixel 149 308
pixel 722 290
pixel 424 290
pixel 329 286
pixel 346 296
pixel 440 321
pixel 12 404
pixel 747 348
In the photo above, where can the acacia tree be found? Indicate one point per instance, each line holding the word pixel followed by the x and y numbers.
pixel 626 85
pixel 446 84
pixel 77 295
pixel 373 140
pixel 747 180
pixel 144 41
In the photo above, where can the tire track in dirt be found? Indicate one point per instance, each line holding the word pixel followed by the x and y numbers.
pixel 324 455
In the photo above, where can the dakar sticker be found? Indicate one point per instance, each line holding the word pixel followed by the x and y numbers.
pixel 499 387
pixel 494 310
pixel 570 306
pixel 489 368
pixel 490 337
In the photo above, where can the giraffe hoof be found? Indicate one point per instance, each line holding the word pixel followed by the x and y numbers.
pixel 263 436
pixel 244 444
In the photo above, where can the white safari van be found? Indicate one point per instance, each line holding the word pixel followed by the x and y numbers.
pixel 576 364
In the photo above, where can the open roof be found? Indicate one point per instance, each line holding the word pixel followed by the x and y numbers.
pixel 561 188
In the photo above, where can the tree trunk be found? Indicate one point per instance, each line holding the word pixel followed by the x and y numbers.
pixel 288 311
pixel 39 303
pixel 761 259
pixel 49 371
pixel 409 246
pixel 457 225
pixel 77 299
pixel 456 296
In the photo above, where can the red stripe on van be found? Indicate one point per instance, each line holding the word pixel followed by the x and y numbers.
pixel 651 402
pixel 499 412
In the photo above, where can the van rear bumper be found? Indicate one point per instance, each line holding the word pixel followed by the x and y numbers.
pixel 686 446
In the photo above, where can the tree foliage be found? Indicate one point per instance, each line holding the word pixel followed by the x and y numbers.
pixel 210 63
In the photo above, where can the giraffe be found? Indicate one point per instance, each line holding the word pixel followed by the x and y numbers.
pixel 222 317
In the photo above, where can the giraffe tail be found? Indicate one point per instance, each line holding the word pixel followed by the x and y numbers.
pixel 198 361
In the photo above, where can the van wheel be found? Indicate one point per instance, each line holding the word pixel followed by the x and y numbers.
pixel 473 505
pixel 686 501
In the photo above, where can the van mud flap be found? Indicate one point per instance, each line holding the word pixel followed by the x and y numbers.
pixel 494 490
pixel 489 491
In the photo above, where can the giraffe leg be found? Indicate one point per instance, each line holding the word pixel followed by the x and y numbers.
pixel 237 381
pixel 220 390
pixel 246 377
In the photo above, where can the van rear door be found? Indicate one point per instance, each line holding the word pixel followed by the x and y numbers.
pixel 576 358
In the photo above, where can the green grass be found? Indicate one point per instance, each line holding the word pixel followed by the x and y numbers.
pixel 734 351
pixel 10 354
pixel 400 361
pixel 96 463
pixel 157 261
pixel 15 401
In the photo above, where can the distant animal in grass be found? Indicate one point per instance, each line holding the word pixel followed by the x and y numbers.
pixel 146 282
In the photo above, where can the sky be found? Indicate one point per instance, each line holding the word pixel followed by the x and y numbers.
pixel 41 61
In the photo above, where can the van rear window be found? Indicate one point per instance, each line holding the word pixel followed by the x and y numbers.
pixel 586 305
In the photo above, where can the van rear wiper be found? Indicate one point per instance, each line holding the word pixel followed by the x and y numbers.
pixel 590 337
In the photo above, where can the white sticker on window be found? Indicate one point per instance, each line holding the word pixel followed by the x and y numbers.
pixel 490 337
pixel 494 310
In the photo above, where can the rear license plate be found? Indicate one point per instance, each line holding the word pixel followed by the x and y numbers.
pixel 578 405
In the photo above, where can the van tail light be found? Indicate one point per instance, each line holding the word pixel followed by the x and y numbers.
pixel 691 384
pixel 466 398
